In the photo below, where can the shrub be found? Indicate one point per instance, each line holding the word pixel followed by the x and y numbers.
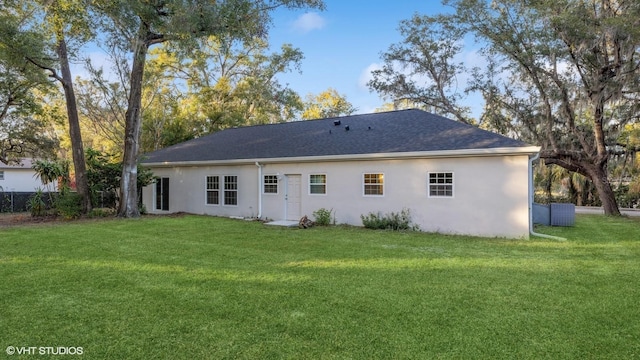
pixel 36 205
pixel 626 196
pixel 391 221
pixel 101 212
pixel 323 216
pixel 69 205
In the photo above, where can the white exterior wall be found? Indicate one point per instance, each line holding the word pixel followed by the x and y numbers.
pixel 490 193
pixel 187 190
pixel 22 180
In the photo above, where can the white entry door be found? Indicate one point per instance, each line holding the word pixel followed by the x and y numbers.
pixel 293 197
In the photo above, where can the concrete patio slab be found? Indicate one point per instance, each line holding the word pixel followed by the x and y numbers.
pixel 285 223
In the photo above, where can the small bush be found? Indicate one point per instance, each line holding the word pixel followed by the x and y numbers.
pixel 391 221
pixel 36 205
pixel 323 217
pixel 69 205
pixel 101 212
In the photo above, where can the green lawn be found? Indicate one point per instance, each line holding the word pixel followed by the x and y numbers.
pixel 199 287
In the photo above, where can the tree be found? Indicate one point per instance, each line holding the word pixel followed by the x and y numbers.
pixel 62 18
pixel 562 74
pixel 103 102
pixel 328 103
pixel 77 148
pixel 22 132
pixel 138 25
pixel 104 170
pixel 51 171
pixel 422 68
pixel 223 82
pixel 238 78
pixel 401 105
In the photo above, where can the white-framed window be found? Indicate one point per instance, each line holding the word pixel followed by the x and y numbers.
pixel 1 175
pixel 318 184
pixel 270 184
pixel 213 190
pixel 440 184
pixel 230 190
pixel 373 184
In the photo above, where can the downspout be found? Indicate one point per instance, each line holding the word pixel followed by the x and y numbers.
pixel 259 189
pixel 531 232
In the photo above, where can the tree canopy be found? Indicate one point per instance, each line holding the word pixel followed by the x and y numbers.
pixel 135 26
pixel 22 132
pixel 562 74
pixel 326 104
pixel 216 73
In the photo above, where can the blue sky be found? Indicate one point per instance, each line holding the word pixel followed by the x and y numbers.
pixel 343 43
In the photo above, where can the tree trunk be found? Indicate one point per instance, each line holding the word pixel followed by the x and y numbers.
pixel 598 172
pixel 77 148
pixel 128 184
pixel 593 169
pixel 605 192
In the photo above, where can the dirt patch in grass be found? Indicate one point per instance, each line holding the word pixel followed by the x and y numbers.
pixel 18 219
pixel 25 219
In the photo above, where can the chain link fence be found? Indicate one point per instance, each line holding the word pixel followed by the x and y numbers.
pixel 17 201
pixel 13 202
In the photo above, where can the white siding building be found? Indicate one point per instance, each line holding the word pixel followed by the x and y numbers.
pixel 453 178
pixel 20 178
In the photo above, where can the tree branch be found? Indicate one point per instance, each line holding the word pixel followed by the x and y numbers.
pixel 53 72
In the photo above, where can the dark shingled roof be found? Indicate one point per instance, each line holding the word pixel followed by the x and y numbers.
pixel 388 132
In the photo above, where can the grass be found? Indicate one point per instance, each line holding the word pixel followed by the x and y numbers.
pixel 198 287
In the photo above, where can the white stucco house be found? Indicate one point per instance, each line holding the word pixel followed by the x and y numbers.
pixel 454 178
pixel 21 178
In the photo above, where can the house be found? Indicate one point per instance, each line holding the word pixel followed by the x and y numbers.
pixel 453 177
pixel 21 178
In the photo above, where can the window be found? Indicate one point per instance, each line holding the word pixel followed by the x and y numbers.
pixel 162 194
pixel 1 175
pixel 231 190
pixel 317 184
pixel 441 184
pixel 213 190
pixel 270 184
pixel 374 184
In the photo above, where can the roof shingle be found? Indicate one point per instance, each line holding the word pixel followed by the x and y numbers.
pixel 388 132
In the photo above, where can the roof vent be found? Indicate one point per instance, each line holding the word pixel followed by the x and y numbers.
pixel 369 128
pixel 336 122
pixel 346 128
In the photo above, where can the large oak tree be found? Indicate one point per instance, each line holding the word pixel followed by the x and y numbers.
pixel 22 133
pixel 564 74
pixel 138 25
pixel 59 21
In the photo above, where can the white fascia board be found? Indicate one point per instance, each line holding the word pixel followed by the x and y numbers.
pixel 529 150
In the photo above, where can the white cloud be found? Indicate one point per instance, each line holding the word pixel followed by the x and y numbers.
pixel 366 76
pixel 308 22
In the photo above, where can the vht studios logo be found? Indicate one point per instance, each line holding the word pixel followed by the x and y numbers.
pixel 44 350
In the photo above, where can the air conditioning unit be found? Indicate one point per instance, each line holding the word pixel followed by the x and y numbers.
pixel 562 214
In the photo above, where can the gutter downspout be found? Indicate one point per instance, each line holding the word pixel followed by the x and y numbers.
pixel 259 189
pixel 531 232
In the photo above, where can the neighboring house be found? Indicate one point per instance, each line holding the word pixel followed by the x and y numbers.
pixel 453 177
pixel 21 178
